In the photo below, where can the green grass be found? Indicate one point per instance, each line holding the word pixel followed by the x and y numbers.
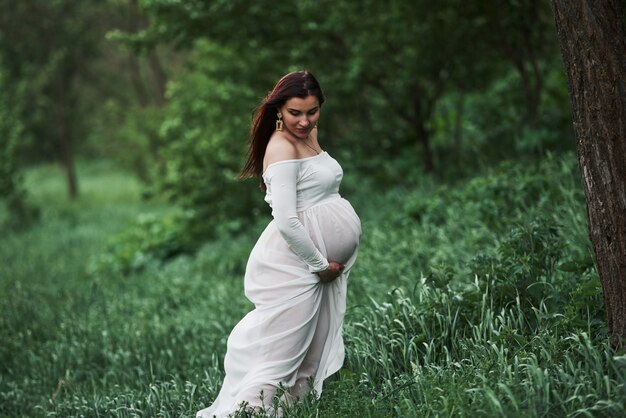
pixel 476 299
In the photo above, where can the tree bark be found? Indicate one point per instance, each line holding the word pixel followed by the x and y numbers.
pixel 135 78
pixel 65 138
pixel 159 76
pixel 459 109
pixel 422 112
pixel 593 46
pixel 133 62
pixel 423 135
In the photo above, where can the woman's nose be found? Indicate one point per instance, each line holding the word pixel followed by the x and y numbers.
pixel 304 122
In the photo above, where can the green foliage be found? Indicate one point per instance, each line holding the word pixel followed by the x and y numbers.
pixel 130 136
pixel 501 362
pixel 21 212
pixel 149 242
pixel 503 195
pixel 386 100
pixel 370 56
pixel 50 59
pixel 393 73
pixel 205 136
pixel 494 122
pixel 450 342
pixel 520 229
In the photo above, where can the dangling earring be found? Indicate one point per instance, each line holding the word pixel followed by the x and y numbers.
pixel 279 122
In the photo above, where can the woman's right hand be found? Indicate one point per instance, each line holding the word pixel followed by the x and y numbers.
pixel 333 271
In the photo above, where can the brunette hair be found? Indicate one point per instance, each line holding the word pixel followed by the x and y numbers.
pixel 295 84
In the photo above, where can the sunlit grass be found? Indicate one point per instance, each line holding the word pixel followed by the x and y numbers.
pixel 102 186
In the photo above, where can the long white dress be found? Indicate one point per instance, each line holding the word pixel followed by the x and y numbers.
pixel 294 334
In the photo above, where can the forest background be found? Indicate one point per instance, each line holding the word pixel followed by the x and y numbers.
pixel 125 236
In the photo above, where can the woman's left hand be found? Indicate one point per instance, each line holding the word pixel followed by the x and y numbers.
pixel 333 271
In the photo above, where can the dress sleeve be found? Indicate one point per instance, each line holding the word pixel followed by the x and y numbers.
pixel 282 179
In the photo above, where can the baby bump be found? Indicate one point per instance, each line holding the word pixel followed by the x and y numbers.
pixel 336 227
pixel 341 245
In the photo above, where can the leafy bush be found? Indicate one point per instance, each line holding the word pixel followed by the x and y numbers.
pixel 21 211
pixel 130 136
pixel 502 195
pixel 494 122
pixel 527 225
pixel 151 241
pixel 432 357
pixel 204 146
pixel 524 266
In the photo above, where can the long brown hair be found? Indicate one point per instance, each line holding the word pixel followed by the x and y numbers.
pixel 295 84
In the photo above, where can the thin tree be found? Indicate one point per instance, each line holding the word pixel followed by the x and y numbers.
pixel 592 38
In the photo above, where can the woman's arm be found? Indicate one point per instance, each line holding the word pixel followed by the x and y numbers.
pixel 282 178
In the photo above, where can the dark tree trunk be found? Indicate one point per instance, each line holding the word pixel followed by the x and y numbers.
pixel 416 116
pixel 422 111
pixel 423 136
pixel 459 109
pixel 133 62
pixel 159 76
pixel 135 78
pixel 522 40
pixel 532 77
pixel 593 45
pixel 66 152
pixel 532 85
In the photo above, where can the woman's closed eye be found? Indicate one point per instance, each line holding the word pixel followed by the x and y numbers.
pixel 297 113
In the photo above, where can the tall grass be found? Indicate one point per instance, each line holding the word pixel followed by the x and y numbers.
pixel 435 362
pixel 477 299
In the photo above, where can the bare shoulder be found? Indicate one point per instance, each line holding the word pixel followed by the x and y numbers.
pixel 279 148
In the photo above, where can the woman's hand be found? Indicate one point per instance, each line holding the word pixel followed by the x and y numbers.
pixel 333 271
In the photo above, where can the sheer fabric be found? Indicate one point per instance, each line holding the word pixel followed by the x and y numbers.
pixel 294 334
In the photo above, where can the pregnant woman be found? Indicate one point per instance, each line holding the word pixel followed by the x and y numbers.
pixel 297 272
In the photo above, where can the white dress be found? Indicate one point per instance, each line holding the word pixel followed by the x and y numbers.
pixel 295 331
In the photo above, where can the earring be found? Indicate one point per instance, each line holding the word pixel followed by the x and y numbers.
pixel 279 122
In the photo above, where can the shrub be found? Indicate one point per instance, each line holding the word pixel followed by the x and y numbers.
pixel 502 195
pixel 150 241
pixel 204 147
pixel 12 191
pixel 524 265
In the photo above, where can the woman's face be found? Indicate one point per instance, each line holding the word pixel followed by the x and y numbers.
pixel 300 115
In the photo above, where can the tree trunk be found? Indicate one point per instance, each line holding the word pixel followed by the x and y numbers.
pixel 459 109
pixel 423 136
pixel 135 78
pixel 531 86
pixel 65 140
pixel 593 45
pixel 133 63
pixel 422 111
pixel 159 76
